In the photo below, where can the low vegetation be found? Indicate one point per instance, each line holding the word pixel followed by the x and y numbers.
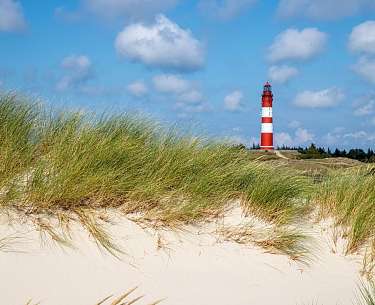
pixel 348 196
pixel 366 294
pixel 71 166
pixel 124 299
pixel 314 152
pixel 63 164
pixel 286 241
pixel 10 243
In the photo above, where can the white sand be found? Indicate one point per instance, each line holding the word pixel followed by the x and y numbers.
pixel 196 270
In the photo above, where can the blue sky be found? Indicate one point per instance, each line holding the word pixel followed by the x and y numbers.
pixel 201 64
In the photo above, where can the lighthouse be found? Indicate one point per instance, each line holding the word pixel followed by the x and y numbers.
pixel 266 138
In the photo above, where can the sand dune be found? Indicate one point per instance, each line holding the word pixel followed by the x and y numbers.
pixel 192 267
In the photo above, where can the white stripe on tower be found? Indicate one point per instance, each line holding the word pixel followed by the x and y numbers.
pixel 266 112
pixel 267 128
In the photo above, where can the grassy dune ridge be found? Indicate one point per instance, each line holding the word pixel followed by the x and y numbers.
pixel 71 165
pixel 349 197
pixel 56 162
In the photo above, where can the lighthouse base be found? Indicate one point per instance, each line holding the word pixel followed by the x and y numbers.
pixel 266 140
pixel 267 148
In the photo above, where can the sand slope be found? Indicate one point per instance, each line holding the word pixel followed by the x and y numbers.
pixel 192 268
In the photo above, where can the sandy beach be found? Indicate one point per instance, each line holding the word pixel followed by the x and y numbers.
pixel 191 267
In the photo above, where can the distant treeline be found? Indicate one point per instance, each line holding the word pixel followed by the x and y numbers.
pixel 314 152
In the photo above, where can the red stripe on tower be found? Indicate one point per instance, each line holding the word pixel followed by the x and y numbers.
pixel 266 138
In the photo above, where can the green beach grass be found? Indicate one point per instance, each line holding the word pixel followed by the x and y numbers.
pixel 71 166
pixel 348 196
pixel 58 163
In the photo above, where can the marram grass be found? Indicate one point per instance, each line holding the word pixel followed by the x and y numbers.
pixel 349 197
pixel 124 299
pixel 10 243
pixel 17 143
pixel 53 163
pixel 276 240
pixel 366 295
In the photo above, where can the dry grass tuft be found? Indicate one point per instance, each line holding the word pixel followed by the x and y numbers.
pixel 366 294
pixel 11 243
pixel 124 299
pixel 104 240
pixel 276 240
pixel 30 302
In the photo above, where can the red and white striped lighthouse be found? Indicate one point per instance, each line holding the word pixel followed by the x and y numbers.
pixel 266 138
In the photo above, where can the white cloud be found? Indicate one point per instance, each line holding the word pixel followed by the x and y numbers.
pixel 97 90
pixel 281 74
pixel 294 124
pixel 232 101
pixel 339 137
pixel 193 96
pixel 236 139
pixel 162 44
pixel 301 136
pixel 188 98
pixel 67 15
pixel 225 9
pixel 188 108
pixel 334 136
pixel 78 70
pixel 323 9
pixel 283 139
pixel 331 138
pixel 362 38
pixel 137 89
pixel 356 135
pixel 293 44
pixel 365 67
pixel 338 129
pixel 11 16
pixel 365 109
pixel 240 139
pixel 170 83
pixel 128 9
pixel 319 99
pixel 79 63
